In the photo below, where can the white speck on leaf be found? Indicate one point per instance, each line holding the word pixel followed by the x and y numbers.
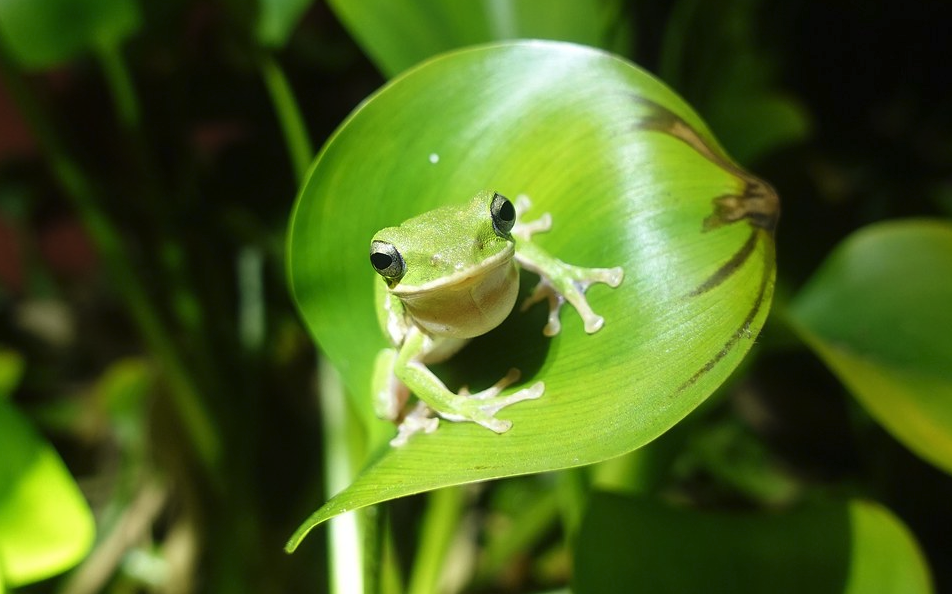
pixel 434 158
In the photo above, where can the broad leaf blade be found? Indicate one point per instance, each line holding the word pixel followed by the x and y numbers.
pixel 878 313
pixel 635 545
pixel 630 176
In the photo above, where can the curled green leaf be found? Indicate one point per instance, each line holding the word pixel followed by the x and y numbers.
pixel 631 177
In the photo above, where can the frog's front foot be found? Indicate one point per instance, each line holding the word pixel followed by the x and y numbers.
pixel 479 407
pixel 572 283
pixel 558 282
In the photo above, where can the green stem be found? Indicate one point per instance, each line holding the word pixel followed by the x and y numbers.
pixel 527 530
pixel 289 115
pixel 83 195
pixel 572 492
pixel 120 85
pixel 184 301
pixel 391 579
pixel 440 521
pixel 346 538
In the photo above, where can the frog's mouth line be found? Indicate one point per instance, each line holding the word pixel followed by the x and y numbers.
pixel 462 278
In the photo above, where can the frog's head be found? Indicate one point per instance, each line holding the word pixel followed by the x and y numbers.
pixel 452 267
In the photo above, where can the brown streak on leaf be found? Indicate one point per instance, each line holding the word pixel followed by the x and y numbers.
pixel 742 331
pixel 758 203
pixel 729 267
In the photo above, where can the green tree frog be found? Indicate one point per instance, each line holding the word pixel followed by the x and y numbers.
pixel 450 275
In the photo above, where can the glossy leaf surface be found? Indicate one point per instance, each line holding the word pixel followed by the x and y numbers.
pixel 639 545
pixel 631 177
pixel 46 526
pixel 48 33
pixel 879 314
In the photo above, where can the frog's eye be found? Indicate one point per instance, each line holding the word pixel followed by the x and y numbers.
pixel 504 215
pixel 387 261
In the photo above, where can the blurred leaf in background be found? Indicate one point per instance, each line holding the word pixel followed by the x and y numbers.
pixel 851 547
pixel 149 157
pixel 398 35
pixel 45 34
pixel 879 313
pixel 46 526
pixel 715 55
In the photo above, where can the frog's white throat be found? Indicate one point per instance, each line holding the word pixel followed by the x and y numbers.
pixel 467 303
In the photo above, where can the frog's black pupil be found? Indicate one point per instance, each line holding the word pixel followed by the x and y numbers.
pixel 507 212
pixel 381 261
pixel 503 214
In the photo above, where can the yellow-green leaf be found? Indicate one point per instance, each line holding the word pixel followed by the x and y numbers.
pixel 879 314
pixel 46 526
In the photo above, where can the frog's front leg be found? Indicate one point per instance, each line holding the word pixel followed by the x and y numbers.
pixel 480 407
pixel 558 282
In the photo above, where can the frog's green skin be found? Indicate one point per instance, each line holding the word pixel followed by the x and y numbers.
pixel 450 275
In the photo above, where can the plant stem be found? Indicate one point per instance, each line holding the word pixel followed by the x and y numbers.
pixel 82 193
pixel 289 115
pixel 440 521
pixel 572 493
pixel 120 86
pixel 345 539
pixel 527 529
pixel 154 194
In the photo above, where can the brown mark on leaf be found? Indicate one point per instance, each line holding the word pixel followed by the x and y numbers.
pixel 757 203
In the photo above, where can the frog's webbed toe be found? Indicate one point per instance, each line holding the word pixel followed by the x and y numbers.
pixel 558 282
pixel 477 407
pixel 481 407
pixel 575 280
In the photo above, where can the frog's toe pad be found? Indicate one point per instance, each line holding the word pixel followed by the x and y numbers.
pixel 481 408
pixel 490 406
pixel 497 425
pixel 610 276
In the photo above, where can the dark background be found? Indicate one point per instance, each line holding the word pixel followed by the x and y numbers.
pixel 874 83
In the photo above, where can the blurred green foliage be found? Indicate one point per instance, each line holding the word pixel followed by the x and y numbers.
pixel 149 157
pixel 845 547
pixel 42 35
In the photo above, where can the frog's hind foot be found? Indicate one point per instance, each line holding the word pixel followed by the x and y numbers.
pixel 481 407
pixel 419 420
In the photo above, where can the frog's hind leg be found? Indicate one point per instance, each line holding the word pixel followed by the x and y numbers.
pixel 480 407
pixel 389 393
